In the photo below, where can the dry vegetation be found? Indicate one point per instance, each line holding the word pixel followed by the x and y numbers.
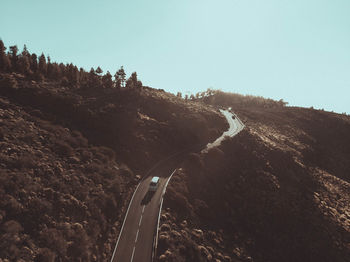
pixel 60 198
pixel 140 125
pixel 63 189
pixel 278 191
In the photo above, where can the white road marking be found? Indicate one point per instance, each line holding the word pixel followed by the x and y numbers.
pixel 121 230
pixel 143 209
pixel 137 234
pixel 140 220
pixel 132 256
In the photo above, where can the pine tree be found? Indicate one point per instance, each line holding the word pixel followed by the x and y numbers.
pixel 5 63
pixel 121 76
pixel 94 80
pixel 23 65
pixel 99 71
pixel 13 57
pixel 72 75
pixel 49 68
pixel 42 64
pixel 133 82
pixel 34 63
pixel 107 80
pixel 117 81
pixel 24 62
pixel 25 52
pixel 129 83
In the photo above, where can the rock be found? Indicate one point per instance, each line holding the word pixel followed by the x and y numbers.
pixel 163 236
pixel 184 233
pixel 197 233
pixel 74 160
pixel 168 253
pixel 27 252
pixel 217 241
pixel 163 241
pixel 237 252
pixel 77 226
pixel 219 256
pixel 108 247
pixel 205 253
pixel 165 227
pixel 175 234
pixel 211 249
pixel 183 223
pixel 212 234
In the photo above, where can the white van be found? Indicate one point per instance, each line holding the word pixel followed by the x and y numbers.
pixel 154 183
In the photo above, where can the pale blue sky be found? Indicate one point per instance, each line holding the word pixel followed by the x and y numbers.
pixel 295 50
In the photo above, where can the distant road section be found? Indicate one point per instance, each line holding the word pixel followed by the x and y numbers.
pixel 235 127
pixel 138 235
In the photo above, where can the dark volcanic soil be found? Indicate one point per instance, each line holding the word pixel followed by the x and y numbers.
pixel 64 186
pixel 60 197
pixel 278 191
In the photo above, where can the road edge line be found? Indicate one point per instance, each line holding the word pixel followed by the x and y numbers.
pixel 126 215
pixel 160 211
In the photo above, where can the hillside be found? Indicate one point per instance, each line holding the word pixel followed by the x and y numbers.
pixel 141 126
pixel 75 144
pixel 278 191
pixel 60 196
pixel 71 158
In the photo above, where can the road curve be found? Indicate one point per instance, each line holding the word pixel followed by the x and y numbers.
pixel 235 126
pixel 138 234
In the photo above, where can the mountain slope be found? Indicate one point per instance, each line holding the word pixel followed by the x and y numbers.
pixel 64 185
pixel 61 197
pixel 142 126
pixel 278 191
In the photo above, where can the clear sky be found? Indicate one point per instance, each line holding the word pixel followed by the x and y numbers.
pixel 297 50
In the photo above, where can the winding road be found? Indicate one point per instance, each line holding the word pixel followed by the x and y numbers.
pixel 137 240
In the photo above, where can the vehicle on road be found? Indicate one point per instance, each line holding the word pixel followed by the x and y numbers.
pixel 154 184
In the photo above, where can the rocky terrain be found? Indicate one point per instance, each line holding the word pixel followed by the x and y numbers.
pixel 141 126
pixel 278 191
pixel 74 145
pixel 61 197
pixel 71 158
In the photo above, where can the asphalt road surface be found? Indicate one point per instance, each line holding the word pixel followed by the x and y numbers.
pixel 236 126
pixel 138 235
